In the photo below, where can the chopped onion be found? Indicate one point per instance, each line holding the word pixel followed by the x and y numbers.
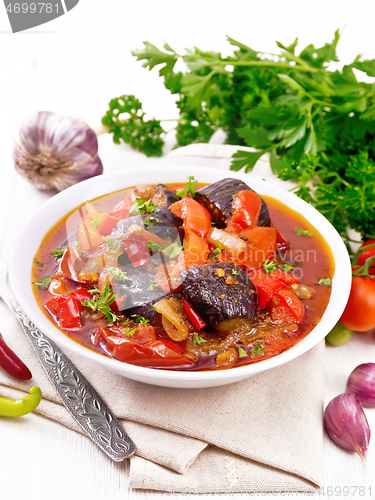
pixel 228 241
pixel 176 319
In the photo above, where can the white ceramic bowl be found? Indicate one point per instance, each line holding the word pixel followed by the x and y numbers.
pixel 30 237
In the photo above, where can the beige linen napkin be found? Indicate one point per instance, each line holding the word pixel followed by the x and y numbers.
pixel 263 433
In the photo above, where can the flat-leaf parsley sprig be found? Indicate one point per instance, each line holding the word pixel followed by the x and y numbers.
pixel 102 303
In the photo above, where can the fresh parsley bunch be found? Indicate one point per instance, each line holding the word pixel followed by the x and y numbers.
pixel 318 125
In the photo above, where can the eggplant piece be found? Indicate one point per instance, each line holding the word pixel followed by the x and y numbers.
pixel 123 225
pixel 137 290
pixel 164 224
pixel 219 292
pixel 218 197
pixel 163 196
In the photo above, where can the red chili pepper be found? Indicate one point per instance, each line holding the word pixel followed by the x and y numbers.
pixel 66 309
pixel 12 363
pixel 193 316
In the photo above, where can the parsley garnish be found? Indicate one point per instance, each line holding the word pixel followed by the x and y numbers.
pixel 129 331
pixel 57 252
pixel 189 188
pixel 303 232
pixel 325 281
pixel 216 252
pixel 269 267
pixel 102 303
pixel 109 243
pixel 43 282
pixel 171 250
pixel 140 319
pixel 234 272
pixel 286 267
pixel 141 206
pixel 257 349
pixel 40 265
pixel 117 273
pixel 152 285
pixel 242 353
pixel 95 223
pixel 76 244
pixel 198 340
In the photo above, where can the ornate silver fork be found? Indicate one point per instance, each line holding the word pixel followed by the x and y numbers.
pixel 76 393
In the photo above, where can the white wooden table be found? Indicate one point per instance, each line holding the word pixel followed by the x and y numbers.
pixel 74 65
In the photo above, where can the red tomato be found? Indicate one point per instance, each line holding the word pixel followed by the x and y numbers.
pixel 359 313
pixel 246 208
pixel 155 353
pixel 67 311
pixel 261 246
pixel 289 306
pixel 370 252
pixel 195 250
pixel 71 264
pixel 122 208
pixel 196 218
pixel 107 224
pixel 137 248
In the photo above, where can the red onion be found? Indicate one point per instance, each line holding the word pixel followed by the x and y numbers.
pixel 361 382
pixel 346 424
pixel 55 152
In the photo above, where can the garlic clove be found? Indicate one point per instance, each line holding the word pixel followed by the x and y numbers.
pixel 346 424
pixel 55 152
pixel 361 382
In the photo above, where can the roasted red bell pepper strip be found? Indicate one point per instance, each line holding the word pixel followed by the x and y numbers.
pixel 268 287
pixel 137 248
pixel 122 208
pixel 196 250
pixel 155 353
pixel 66 309
pixel 193 316
pixel 20 407
pixel 12 363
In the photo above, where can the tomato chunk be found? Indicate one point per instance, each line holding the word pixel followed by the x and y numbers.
pixel 67 311
pixel 71 264
pixel 196 218
pixel 246 208
pixel 288 307
pixel 196 250
pixel 261 246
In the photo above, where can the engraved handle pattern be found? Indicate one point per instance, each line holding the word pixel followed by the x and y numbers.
pixel 77 394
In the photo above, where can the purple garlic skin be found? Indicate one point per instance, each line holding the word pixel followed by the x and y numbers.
pixel 55 152
pixel 346 424
pixel 361 382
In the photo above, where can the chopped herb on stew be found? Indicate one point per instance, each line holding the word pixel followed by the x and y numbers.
pixel 140 319
pixel 117 273
pixel 40 265
pixel 242 353
pixel 141 206
pixel 128 332
pixel 57 252
pixel 198 340
pixel 325 281
pixel 216 252
pixel 102 303
pixel 303 232
pixel 189 188
pixel 152 285
pixel 43 282
pixel 257 349
pixel 269 267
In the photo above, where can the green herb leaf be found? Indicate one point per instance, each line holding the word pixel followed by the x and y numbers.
pixel 216 252
pixel 172 250
pixel 198 340
pixel 189 188
pixel 40 265
pixel 57 252
pixel 242 353
pixel 234 272
pixel 257 349
pixel 102 303
pixel 43 282
pixel 303 232
pixel 139 319
pixel 325 281
pixel 286 268
pixel 117 273
pixel 269 267
pixel 141 206
pixel 95 223
pixel 153 283
pixel 128 332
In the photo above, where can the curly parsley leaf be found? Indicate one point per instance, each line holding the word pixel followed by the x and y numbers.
pixel 189 188
pixel 102 303
pixel 257 349
pixel 43 282
pixel 125 119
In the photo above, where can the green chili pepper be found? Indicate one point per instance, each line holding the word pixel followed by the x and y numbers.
pixel 19 407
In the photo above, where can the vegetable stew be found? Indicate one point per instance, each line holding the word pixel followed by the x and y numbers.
pixel 184 277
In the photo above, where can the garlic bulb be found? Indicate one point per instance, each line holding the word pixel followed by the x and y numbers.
pixel 55 152
pixel 346 424
pixel 361 382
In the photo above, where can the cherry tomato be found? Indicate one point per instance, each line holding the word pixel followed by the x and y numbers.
pixel 370 252
pixel 359 313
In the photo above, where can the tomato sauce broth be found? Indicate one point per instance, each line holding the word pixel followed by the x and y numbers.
pixel 310 256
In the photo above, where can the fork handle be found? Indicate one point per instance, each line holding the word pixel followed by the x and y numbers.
pixel 77 394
